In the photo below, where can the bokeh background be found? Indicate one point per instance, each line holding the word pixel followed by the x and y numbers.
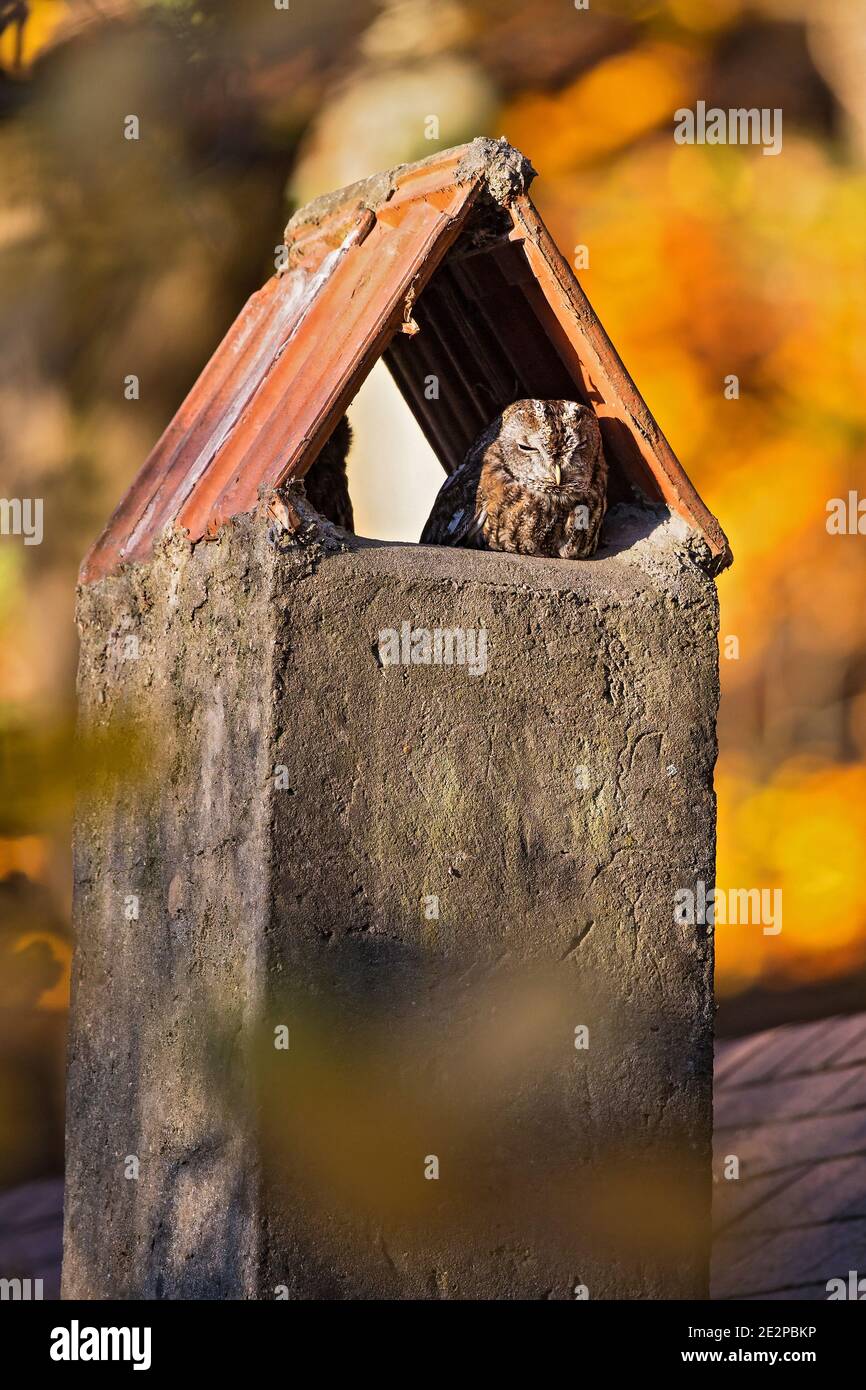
pixel 123 257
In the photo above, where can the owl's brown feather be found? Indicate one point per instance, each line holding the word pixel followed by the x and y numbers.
pixel 326 483
pixel 533 483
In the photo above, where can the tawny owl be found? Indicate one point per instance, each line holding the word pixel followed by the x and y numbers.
pixel 533 483
pixel 326 484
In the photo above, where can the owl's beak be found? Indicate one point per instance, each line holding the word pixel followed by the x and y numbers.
pixel 558 471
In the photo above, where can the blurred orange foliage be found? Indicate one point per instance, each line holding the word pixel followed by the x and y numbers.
pixel 705 263
pixel 708 262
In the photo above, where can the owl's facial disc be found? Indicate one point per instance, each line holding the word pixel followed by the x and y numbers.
pixel 550 445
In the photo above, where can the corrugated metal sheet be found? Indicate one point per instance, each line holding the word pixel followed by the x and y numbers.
pixel 501 316
pixel 489 336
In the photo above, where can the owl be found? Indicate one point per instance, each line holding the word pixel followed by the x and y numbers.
pixel 326 484
pixel 533 483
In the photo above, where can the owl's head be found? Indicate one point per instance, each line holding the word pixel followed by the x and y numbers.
pixel 550 445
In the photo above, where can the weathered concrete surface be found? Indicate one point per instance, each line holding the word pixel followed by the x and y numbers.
pixel 308 901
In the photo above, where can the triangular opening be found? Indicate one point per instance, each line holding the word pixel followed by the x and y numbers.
pixel 481 335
